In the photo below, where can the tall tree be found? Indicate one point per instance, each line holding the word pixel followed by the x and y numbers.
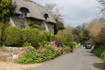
pixel 7 9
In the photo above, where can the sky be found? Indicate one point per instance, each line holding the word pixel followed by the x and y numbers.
pixel 75 12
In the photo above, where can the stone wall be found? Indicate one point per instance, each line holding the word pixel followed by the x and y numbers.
pixel 24 22
pixel 51 28
pixel 13 54
pixel 48 27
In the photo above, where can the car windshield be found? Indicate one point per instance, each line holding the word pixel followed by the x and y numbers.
pixel 89 43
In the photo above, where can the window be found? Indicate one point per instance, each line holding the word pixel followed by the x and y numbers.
pixel 44 28
pixel 24 12
pixel 46 16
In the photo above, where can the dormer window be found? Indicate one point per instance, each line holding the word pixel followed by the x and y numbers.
pixel 24 12
pixel 46 16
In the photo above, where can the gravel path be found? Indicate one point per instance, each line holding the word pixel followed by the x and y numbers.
pixel 13 66
pixel 81 59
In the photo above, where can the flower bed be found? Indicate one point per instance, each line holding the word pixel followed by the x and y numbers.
pixel 43 54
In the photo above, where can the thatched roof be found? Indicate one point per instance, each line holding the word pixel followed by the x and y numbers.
pixel 35 10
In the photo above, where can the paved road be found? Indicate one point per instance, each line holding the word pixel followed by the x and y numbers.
pixel 81 59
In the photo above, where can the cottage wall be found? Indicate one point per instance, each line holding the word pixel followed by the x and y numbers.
pixel 26 22
pixel 50 28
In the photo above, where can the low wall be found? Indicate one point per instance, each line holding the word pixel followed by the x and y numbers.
pixel 13 54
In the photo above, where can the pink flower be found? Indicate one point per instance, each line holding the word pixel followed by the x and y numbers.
pixel 56 50
pixel 43 50
pixel 38 54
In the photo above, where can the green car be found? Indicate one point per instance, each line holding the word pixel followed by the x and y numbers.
pixel 88 45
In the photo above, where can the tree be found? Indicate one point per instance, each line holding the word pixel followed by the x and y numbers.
pixel 85 35
pixel 102 2
pixel 7 10
pixel 55 12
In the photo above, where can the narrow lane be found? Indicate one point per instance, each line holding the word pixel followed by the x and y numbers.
pixel 81 59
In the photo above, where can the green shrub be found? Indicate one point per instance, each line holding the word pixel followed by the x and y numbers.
pixel 75 45
pixel 52 38
pixel 47 35
pixel 12 36
pixel 26 44
pixel 100 51
pixel 30 36
pixel 42 40
pixel 68 39
pixel 37 26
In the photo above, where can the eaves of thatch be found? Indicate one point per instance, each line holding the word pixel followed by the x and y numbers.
pixel 35 10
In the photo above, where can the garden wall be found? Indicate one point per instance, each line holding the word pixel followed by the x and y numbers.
pixel 13 54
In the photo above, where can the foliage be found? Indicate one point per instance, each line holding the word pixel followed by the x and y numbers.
pixel 96 32
pixel 7 9
pixel 30 36
pixel 26 44
pixel 37 26
pixel 59 25
pixel 68 39
pixel 102 35
pixel 100 51
pixel 102 7
pixel 47 35
pixel 58 36
pixel 12 36
pixel 42 40
pixel 81 34
pixel 54 10
pixel 0 35
pixel 43 54
pixel 75 45
pixel 85 36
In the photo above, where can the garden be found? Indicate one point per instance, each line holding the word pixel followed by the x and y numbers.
pixel 15 37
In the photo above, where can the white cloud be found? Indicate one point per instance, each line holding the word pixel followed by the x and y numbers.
pixel 75 12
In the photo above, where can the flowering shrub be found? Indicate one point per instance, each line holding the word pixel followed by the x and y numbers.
pixel 58 42
pixel 43 54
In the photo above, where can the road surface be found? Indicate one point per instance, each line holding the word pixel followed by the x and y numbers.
pixel 81 59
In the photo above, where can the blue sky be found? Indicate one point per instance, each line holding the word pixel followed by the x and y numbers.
pixel 75 12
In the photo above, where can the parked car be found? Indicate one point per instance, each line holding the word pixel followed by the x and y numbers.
pixel 88 45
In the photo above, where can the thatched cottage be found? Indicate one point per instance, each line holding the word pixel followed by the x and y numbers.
pixel 29 12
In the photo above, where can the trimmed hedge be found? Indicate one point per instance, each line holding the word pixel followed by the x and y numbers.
pixel 12 36
pixel 36 26
pixel 30 36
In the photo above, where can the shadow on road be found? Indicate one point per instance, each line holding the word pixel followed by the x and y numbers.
pixel 100 66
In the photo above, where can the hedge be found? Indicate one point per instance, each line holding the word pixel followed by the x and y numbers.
pixel 12 36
